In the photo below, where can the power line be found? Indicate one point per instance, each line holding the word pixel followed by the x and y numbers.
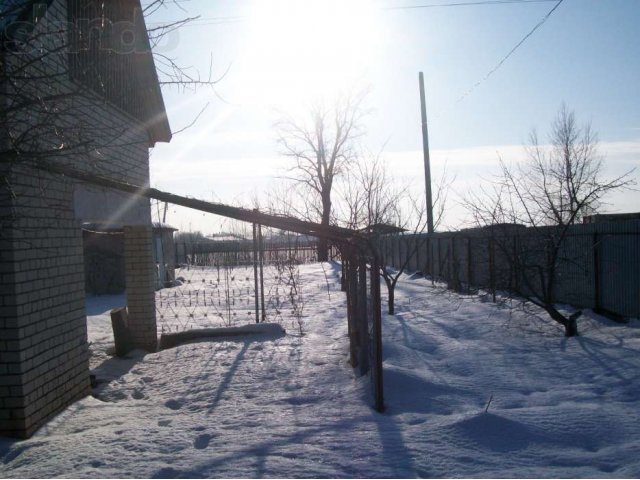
pixel 225 20
pixel 433 5
pixel 511 52
pixel 466 4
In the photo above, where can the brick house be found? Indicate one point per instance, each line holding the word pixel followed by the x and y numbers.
pixel 78 87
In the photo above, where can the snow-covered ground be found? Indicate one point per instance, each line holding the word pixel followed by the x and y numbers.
pixel 472 388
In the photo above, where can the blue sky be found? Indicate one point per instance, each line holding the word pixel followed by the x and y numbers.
pixel 282 53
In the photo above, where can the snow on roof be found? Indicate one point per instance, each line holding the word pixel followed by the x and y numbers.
pixel 163 226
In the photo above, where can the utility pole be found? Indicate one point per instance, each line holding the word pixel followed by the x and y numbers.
pixel 425 148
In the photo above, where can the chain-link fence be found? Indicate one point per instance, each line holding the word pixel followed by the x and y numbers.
pixel 233 280
pixel 226 294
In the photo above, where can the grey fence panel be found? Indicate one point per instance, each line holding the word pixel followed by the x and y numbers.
pixel 436 255
pixel 531 253
pixel 440 259
pixel 480 271
pixel 575 278
pixel 413 244
pixel 619 262
pixel 404 247
pixel 422 255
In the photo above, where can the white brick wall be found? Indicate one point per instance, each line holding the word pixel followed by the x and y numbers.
pixel 44 349
pixel 43 337
pixel 140 280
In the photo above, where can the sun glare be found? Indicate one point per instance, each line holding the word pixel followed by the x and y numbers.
pixel 299 50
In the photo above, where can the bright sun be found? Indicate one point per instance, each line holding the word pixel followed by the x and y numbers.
pixel 298 50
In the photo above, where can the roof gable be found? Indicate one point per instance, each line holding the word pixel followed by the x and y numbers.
pixel 110 53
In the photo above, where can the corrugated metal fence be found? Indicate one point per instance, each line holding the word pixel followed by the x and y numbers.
pixel 598 267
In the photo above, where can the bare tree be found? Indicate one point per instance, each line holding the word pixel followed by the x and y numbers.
pixel 553 189
pixel 322 147
pixel 389 273
pixel 369 195
pixel 376 203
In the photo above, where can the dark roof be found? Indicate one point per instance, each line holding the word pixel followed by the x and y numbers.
pixel 611 217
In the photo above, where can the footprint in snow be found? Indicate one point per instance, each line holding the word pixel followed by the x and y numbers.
pixel 301 400
pixel 137 395
pixel 164 423
pixel 202 441
pixel 293 387
pixel 173 404
pixel 416 421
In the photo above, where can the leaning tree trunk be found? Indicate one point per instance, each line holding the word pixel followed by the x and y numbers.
pixel 391 291
pixel 570 324
pixel 571 328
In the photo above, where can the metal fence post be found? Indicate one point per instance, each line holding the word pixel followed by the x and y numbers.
pixel 492 279
pixel 377 335
pixel 352 304
pixel 469 270
pixel 261 252
pixel 363 315
pixel 255 270
pixel 596 272
pixel 453 270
